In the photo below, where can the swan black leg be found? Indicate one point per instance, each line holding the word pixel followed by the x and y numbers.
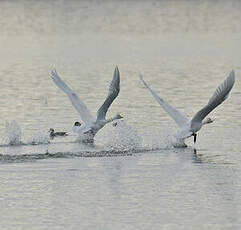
pixel 195 137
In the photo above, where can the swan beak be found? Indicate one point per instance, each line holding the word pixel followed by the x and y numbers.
pixel 195 137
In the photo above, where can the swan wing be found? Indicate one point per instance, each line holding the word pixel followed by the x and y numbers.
pixel 75 100
pixel 114 90
pixel 219 96
pixel 177 116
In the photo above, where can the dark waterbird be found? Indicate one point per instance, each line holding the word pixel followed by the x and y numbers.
pixel 53 134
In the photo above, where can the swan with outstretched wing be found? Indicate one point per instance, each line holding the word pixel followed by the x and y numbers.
pixel 90 125
pixel 190 128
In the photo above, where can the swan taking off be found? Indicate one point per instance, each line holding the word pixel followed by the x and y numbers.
pixel 190 128
pixel 90 125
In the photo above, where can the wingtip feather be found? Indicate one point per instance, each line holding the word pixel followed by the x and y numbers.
pixel 142 79
pixel 116 71
pixel 231 78
pixel 53 73
pixel 140 76
pixel 232 75
pixel 116 74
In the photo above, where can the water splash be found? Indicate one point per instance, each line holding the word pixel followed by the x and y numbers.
pixel 13 133
pixel 38 138
pixel 155 139
pixel 178 143
pixel 123 137
pixel 84 138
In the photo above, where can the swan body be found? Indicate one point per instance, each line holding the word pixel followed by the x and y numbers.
pixel 190 128
pixel 88 131
pixel 91 125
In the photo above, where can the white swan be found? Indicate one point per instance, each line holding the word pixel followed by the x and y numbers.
pixel 90 125
pixel 190 128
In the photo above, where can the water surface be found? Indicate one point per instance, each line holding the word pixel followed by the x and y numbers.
pixel 184 49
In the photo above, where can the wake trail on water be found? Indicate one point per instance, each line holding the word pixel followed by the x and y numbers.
pixel 18 158
pixel 118 140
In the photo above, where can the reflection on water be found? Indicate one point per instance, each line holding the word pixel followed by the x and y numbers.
pixel 184 49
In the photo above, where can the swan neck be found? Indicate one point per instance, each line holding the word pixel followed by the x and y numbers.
pixel 112 119
pixel 205 122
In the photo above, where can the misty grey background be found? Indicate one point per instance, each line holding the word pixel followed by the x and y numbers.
pixel 184 49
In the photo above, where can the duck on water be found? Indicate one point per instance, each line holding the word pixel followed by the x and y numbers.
pixel 90 125
pixel 53 134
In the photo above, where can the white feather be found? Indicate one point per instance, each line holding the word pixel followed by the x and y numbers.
pixel 218 97
pixel 114 90
pixel 188 128
pixel 177 116
pixel 90 125
pixel 80 107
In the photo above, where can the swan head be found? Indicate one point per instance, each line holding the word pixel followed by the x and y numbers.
pixel 116 123
pixel 51 130
pixel 77 123
pixel 118 116
pixel 208 120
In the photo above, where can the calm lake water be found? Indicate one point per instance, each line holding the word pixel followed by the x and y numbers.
pixel 132 178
